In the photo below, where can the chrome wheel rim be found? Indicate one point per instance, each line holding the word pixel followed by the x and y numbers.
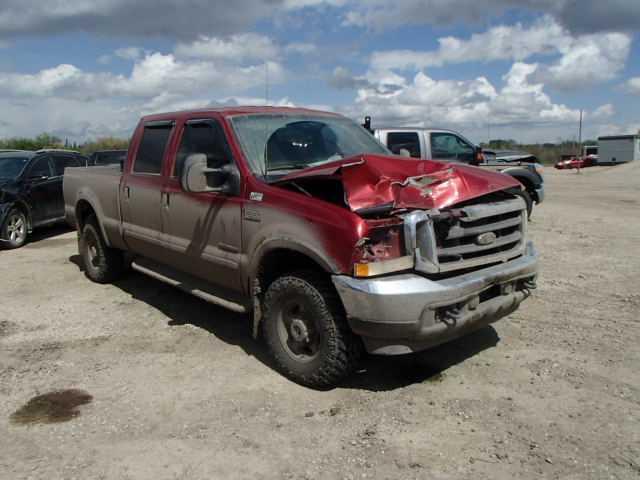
pixel 16 228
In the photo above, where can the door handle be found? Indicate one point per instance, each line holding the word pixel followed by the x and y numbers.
pixel 165 199
pixel 127 192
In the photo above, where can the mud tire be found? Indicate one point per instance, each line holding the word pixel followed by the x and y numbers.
pixel 101 263
pixel 338 348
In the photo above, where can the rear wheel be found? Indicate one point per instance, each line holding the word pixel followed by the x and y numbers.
pixel 14 230
pixel 305 328
pixel 101 263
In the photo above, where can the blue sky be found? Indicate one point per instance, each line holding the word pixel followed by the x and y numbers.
pixel 523 70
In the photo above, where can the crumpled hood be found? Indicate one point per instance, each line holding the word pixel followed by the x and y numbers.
pixel 374 180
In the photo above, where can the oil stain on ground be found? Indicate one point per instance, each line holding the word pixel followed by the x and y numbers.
pixel 53 407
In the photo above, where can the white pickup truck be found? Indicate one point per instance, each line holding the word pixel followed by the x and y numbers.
pixel 451 146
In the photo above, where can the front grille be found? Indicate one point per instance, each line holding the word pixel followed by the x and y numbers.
pixel 470 236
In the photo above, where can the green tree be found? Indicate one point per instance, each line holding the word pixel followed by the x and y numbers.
pixel 104 143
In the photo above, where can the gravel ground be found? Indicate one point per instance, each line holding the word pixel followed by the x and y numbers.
pixel 171 387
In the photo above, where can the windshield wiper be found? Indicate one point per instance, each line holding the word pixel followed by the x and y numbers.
pixel 280 168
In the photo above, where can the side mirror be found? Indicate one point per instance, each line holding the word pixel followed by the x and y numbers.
pixel 478 156
pixel 197 177
pixel 404 153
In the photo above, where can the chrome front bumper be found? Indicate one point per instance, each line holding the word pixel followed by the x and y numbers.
pixel 408 312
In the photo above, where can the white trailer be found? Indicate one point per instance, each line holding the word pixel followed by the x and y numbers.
pixel 618 149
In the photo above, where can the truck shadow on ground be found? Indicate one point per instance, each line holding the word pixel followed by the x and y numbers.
pixel 376 373
pixel 45 233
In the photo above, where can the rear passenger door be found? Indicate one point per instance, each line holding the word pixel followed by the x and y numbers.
pixel 60 162
pixel 141 191
pixel 409 141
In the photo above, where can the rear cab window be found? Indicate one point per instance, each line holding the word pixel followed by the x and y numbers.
pixel 153 145
pixel 409 141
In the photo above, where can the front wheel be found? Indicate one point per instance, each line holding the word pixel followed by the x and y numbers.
pixel 306 331
pixel 101 263
pixel 14 230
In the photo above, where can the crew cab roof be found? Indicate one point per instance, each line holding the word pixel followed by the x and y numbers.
pixel 235 111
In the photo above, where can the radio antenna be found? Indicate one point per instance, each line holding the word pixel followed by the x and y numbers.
pixel 266 82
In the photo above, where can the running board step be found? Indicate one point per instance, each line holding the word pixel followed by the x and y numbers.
pixel 185 282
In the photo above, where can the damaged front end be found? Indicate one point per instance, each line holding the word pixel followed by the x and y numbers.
pixel 429 216
pixel 378 186
pixel 442 250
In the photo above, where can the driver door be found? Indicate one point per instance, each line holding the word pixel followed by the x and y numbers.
pixel 41 189
pixel 450 147
pixel 202 232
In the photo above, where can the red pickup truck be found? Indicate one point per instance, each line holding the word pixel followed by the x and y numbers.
pixel 305 221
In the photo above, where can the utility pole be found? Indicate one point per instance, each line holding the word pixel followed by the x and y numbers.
pixel 580 135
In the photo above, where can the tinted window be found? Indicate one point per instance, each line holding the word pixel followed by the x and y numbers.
pixel 397 141
pixel 203 137
pixel 60 162
pixel 152 148
pixel 447 146
pixel 10 167
pixel 40 168
pixel 109 158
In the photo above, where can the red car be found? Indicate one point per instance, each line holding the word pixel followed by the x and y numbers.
pixel 584 162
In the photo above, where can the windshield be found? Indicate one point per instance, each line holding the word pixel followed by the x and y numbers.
pixel 277 142
pixel 10 167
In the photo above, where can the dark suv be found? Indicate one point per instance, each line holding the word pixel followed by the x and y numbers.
pixel 31 191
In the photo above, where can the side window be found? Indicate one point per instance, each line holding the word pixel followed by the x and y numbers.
pixel 152 147
pixel 447 146
pixel 396 141
pixel 40 168
pixel 203 137
pixel 60 162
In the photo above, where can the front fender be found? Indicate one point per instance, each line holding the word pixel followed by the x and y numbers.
pixel 283 242
pixel 523 175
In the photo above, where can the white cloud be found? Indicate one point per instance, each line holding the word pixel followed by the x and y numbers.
pixel 237 48
pixel 633 85
pixel 151 75
pixel 602 112
pixel 424 101
pixel 584 60
pixel 129 53
pixel 580 16
pixel 589 60
pixel 498 43
pixel 300 48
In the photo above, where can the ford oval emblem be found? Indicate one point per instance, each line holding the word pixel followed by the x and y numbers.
pixel 486 238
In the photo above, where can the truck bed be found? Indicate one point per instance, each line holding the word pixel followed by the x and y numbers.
pixel 99 186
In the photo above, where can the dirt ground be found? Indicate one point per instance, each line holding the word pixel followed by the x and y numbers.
pixel 174 388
